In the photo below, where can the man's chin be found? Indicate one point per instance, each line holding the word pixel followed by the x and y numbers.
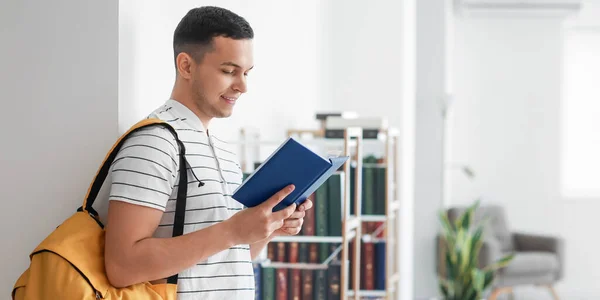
pixel 223 115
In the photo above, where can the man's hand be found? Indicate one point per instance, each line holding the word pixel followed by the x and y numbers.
pixel 293 224
pixel 258 223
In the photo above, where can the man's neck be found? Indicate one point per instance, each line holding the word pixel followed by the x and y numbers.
pixel 187 101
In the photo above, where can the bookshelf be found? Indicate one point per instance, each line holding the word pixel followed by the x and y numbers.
pixel 352 145
pixel 389 219
pixel 392 212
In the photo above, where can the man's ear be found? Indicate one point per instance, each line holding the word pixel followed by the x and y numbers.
pixel 185 64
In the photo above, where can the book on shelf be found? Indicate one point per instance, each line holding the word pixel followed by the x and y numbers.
pixel 380 265
pixel 368 190
pixel 322 116
pixel 367 133
pixel 334 281
pixel 321 218
pixel 373 187
pixel 295 275
pixel 367 260
pixel 281 284
pixel 281 274
pixel 320 285
pixel 371 126
pixel 267 283
pixel 335 192
pixel 325 219
pixel 373 259
pixel 257 281
pixel 322 229
pixel 307 284
pixel 308 227
pixel 291 163
pixel 313 284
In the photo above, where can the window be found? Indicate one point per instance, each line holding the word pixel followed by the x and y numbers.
pixel 580 153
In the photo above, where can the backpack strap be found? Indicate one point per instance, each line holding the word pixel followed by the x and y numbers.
pixel 102 173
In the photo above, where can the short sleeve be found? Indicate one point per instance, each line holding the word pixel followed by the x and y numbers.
pixel 145 169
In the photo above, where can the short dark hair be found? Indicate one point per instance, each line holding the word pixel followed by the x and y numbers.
pixel 200 25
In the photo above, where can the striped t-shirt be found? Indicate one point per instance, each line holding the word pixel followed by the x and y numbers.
pixel 145 172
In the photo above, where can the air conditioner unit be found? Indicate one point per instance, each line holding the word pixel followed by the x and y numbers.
pixel 518 8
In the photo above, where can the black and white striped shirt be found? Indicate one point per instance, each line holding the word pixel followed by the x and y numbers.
pixel 145 172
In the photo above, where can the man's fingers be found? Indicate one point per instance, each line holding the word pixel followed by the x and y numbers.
pixel 293 223
pixel 277 225
pixel 285 213
pixel 297 215
pixel 275 199
pixel 306 205
pixel 292 231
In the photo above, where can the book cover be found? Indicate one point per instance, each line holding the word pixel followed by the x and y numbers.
pixel 295 285
pixel 351 266
pixel 380 265
pixel 368 265
pixel 335 202
pixel 281 253
pixel 257 281
pixel 291 163
pixel 268 283
pixel 311 277
pixel 368 190
pixel 307 284
pixel 308 227
pixel 293 251
pixel 368 259
pixel 281 284
pixel 333 274
pixel 313 253
pixel 380 189
pixel 320 285
pixel 321 219
pixel 272 251
pixel 295 292
pixel 303 252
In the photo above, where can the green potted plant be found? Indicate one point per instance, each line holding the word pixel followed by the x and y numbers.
pixel 463 279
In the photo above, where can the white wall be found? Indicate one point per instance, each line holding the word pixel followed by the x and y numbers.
pixel 366 62
pixel 407 149
pixel 284 87
pixel 505 123
pixel 370 69
pixel 58 89
pixel 431 83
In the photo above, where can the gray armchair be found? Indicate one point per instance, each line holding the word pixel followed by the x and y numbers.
pixel 538 259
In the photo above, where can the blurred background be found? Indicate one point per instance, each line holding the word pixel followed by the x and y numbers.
pixel 496 100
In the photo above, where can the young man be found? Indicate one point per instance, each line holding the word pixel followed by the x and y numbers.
pixel 213 55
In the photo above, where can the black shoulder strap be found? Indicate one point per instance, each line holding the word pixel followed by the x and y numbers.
pixel 98 181
pixel 181 201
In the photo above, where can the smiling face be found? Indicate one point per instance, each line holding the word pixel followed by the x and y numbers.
pixel 213 55
pixel 219 79
pixel 215 80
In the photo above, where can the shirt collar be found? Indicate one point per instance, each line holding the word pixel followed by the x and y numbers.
pixel 185 115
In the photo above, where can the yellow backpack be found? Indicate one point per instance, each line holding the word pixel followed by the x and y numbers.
pixel 69 263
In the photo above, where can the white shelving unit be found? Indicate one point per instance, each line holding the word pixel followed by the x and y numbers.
pixel 351 224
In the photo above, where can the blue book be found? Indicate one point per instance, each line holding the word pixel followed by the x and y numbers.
pixel 257 281
pixel 291 163
pixel 380 265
